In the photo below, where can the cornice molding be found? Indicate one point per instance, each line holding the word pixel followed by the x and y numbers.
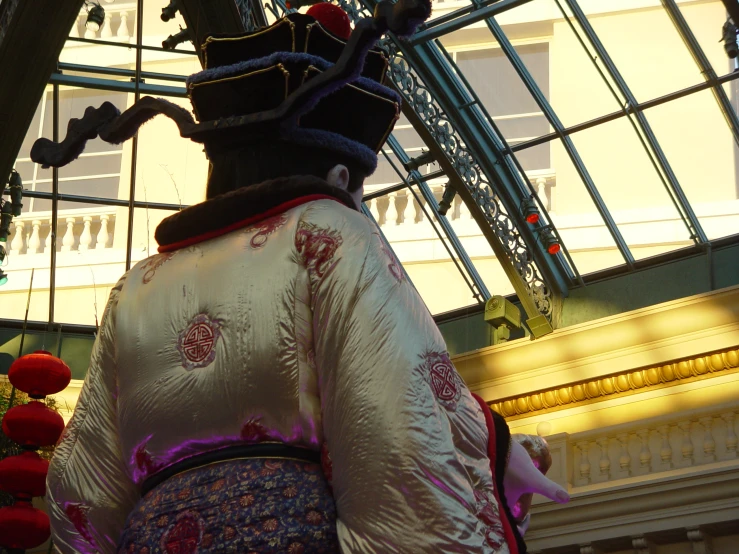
pixel 682 329
pixel 628 382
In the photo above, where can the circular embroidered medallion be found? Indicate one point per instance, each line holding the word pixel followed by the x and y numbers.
pixel 184 536
pixel 197 343
pixel 443 379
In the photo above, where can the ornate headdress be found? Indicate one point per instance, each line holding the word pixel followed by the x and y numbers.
pixel 304 80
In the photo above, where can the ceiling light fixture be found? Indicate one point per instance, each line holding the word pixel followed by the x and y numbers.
pixel 95 16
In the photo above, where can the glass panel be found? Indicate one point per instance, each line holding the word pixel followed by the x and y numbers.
pixel 631 188
pixel 169 169
pixel 91 258
pixel 100 171
pixel 651 57
pixel 702 152
pixel 706 20
pixel 421 252
pixel 505 96
pixel 119 26
pixel 384 175
pixel 157 31
pixel 145 222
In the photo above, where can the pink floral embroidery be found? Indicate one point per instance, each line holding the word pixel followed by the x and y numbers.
pixel 265 229
pixel 442 378
pixel 77 514
pixel 295 548
pixel 394 266
pixel 152 264
pixel 197 343
pixel 326 463
pixel 253 430
pixel 489 516
pixel 317 246
pixel 184 536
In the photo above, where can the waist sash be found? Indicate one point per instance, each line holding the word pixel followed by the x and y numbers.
pixel 240 451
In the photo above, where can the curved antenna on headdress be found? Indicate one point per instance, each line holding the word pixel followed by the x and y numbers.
pixel 110 125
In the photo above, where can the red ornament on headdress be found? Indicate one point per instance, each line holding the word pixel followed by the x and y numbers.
pixel 39 374
pixel 333 19
pixel 22 526
pixel 24 475
pixel 33 425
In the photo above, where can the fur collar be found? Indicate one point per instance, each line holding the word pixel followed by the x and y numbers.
pixel 242 207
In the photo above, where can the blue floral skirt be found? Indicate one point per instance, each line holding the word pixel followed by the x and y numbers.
pixel 238 506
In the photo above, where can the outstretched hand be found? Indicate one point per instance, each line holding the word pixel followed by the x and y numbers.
pixel 522 478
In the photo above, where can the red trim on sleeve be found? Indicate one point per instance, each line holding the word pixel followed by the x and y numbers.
pixel 507 529
pixel 280 208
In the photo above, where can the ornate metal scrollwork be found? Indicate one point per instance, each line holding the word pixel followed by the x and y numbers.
pixel 417 94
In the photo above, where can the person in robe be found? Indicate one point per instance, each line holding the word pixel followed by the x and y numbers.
pixel 271 381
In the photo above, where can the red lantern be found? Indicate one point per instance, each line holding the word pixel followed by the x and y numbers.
pixel 22 526
pixel 39 374
pixel 332 18
pixel 33 424
pixel 24 475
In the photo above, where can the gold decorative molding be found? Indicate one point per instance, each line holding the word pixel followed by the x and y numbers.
pixel 610 386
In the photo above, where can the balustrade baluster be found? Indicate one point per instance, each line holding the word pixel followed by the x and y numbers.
pixel 106 32
pixel 541 191
pixel 645 455
pixel 709 444
pixel 665 452
pixel 464 211
pixel 123 34
pixel 391 215
pixel 584 448
pixel 419 210
pixel 687 444
pixel 34 243
pixel 75 31
pixel 86 236
pixel 102 238
pixel 731 439
pixel 605 461
pixel 16 245
pixel 68 240
pixel 624 460
pixel 409 210
pixel 382 205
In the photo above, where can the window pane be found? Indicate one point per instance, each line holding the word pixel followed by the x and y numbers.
pixel 421 252
pixel 703 155
pixel 27 251
pixel 706 20
pixel 651 57
pixel 631 188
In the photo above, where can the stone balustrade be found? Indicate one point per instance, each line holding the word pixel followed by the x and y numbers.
pixel 118 26
pixel 649 447
pixel 78 230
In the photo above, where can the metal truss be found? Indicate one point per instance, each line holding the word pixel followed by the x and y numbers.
pixel 479 166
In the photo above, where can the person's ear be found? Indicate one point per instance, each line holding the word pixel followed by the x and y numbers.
pixel 338 176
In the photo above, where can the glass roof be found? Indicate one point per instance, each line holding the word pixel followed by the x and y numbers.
pixel 625 143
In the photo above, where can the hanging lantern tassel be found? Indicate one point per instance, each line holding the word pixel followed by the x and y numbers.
pixel 32 426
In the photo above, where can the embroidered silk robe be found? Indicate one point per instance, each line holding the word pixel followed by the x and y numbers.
pixel 293 324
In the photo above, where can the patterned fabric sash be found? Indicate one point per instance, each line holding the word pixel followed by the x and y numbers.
pixel 236 452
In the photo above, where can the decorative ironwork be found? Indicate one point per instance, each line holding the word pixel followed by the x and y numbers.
pixel 418 95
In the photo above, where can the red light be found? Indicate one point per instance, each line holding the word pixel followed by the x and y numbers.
pixel 554 248
pixel 533 218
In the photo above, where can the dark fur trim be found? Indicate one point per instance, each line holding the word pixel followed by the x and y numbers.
pixel 240 204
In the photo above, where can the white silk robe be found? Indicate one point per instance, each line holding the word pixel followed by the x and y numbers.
pixel 300 328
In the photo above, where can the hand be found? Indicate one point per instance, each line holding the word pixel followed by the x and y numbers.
pixel 522 478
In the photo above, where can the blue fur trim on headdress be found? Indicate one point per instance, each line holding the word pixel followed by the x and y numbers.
pixel 220 72
pixel 335 143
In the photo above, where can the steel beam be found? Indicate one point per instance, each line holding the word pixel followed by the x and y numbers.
pixel 704 65
pixel 120 86
pixel 467 17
